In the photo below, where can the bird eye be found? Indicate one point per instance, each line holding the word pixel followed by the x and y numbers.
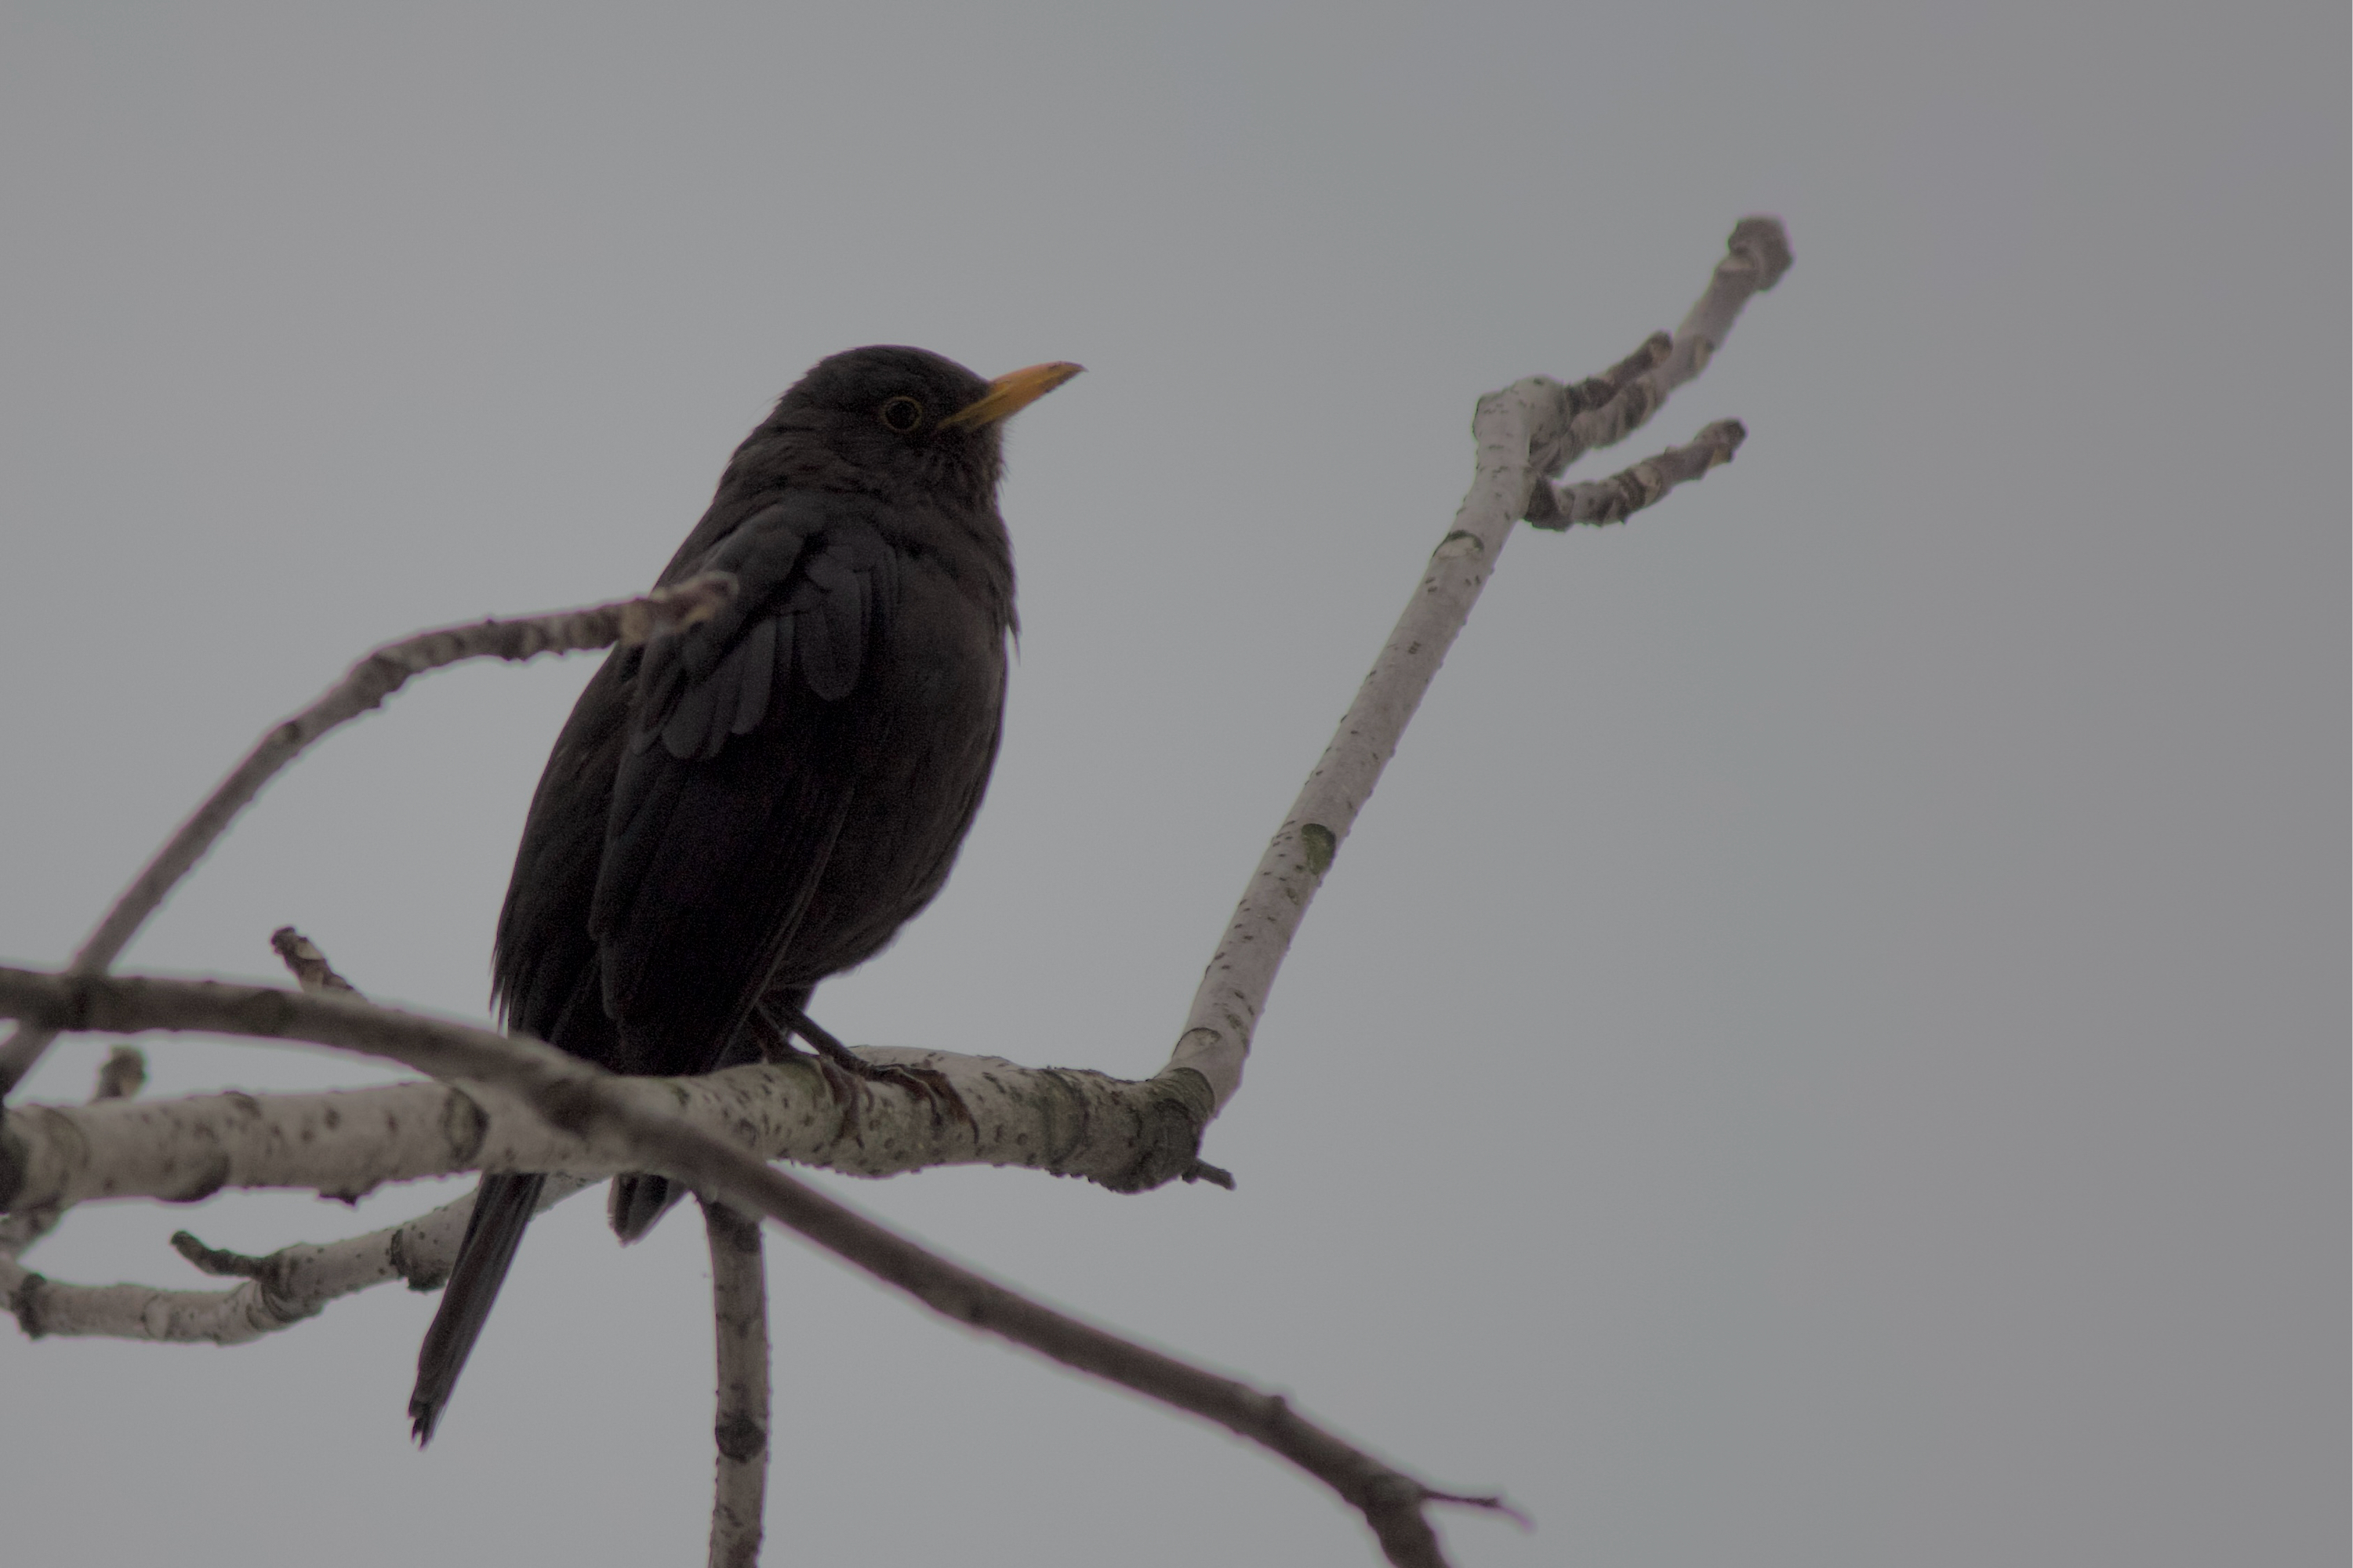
pixel 902 413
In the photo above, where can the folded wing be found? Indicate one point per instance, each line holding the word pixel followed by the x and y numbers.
pixel 742 760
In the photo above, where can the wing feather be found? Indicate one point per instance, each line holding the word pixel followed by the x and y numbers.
pixel 757 662
pixel 719 834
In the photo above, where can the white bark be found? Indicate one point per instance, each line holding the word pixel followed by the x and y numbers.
pixel 588 1101
pixel 739 1312
pixel 281 1289
pixel 1065 1121
pixel 1524 432
pixel 1615 498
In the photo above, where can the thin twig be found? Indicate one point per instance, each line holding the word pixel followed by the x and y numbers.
pixel 580 1098
pixel 373 680
pixel 309 966
pixel 739 1310
pixel 218 1261
pixel 1614 499
pixel 122 1076
pixel 1525 432
pixel 1756 257
pixel 283 1289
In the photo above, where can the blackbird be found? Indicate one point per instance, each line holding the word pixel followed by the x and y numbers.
pixel 737 810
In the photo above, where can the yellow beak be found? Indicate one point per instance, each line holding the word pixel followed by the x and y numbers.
pixel 1009 394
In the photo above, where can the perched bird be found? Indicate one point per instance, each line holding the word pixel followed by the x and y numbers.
pixel 741 808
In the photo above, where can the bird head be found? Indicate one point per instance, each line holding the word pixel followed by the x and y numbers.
pixel 893 419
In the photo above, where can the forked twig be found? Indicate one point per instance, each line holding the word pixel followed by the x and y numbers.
pixel 1526 432
pixel 371 680
pixel 577 1097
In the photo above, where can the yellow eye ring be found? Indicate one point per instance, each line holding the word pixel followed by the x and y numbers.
pixel 901 414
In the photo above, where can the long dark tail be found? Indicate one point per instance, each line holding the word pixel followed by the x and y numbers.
pixel 502 1208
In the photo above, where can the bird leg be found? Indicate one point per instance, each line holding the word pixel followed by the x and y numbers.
pixel 931 1083
pixel 776 1045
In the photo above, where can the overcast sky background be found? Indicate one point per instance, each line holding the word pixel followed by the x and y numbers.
pixel 1829 1045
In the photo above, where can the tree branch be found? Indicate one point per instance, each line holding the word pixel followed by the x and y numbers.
pixel 588 1101
pixel 119 1077
pixel 370 682
pixel 279 1290
pixel 739 1305
pixel 1623 494
pixel 343 1145
pixel 1531 429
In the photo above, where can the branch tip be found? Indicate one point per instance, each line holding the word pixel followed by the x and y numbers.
pixel 122 1076
pixel 218 1261
pixel 1494 1503
pixel 309 967
pixel 1555 508
pixel 1761 242
pixel 1215 1175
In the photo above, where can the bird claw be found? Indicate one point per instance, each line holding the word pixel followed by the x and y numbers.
pixel 848 1093
pixel 847 1074
pixel 938 1091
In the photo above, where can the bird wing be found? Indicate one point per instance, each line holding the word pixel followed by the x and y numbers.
pixel 543 957
pixel 743 753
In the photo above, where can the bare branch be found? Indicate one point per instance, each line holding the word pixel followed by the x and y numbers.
pixel 587 1101
pixel 1756 257
pixel 343 1145
pixel 370 682
pixel 1524 432
pixel 218 1261
pixel 739 1304
pixel 121 1077
pixel 1600 403
pixel 1623 494
pixel 279 1290
pixel 1390 1500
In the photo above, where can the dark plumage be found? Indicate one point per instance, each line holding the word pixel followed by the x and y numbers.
pixel 760 801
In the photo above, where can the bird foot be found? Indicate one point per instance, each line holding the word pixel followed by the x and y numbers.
pixel 846 1073
pixel 932 1085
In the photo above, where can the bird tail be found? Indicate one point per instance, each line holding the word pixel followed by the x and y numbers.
pixel 638 1201
pixel 503 1205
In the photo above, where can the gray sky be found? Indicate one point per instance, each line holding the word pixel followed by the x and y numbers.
pixel 1830 1045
